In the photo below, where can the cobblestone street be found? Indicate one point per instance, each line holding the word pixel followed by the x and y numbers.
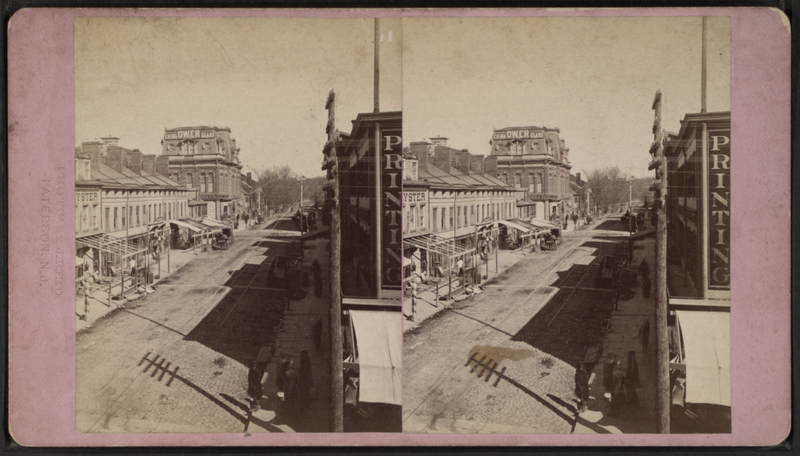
pixel 503 361
pixel 177 360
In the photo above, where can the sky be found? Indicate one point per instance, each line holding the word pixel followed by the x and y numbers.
pixel 265 78
pixel 593 78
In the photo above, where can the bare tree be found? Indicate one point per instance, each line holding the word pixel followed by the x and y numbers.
pixel 280 187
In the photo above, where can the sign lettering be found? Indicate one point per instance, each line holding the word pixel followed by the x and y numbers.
pixel 392 206
pixel 518 134
pixel 87 197
pixel 190 134
pixel 719 214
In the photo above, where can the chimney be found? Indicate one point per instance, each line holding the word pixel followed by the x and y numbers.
pixel 462 160
pixel 162 165
pixel 249 177
pixel 135 161
pixel 439 140
pixel 110 141
pixel 490 165
pixel 93 149
pixel 578 177
pixel 476 164
pixel 420 150
pixel 149 163
pixel 441 159
pixel 115 156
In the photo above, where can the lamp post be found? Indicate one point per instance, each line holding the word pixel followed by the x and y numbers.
pixel 630 203
pixel 302 214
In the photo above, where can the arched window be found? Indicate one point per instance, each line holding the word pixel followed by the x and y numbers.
pixel 202 182
pixel 190 180
pixel 538 182
pixel 518 180
pixel 505 178
pixel 210 183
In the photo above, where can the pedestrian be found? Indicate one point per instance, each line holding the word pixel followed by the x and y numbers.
pixel 280 378
pixel 413 286
pixel 644 335
pixel 132 267
pixel 83 290
pixel 254 388
pixel 305 379
pixel 581 386
pixel 460 268
pixel 316 333
pixel 617 389
pixel 291 391
pixel 608 378
pixel 632 379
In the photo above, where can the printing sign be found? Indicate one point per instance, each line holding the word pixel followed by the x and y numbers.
pixel 719 212
pixel 391 205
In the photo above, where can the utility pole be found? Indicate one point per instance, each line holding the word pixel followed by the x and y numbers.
pixel 335 316
pixel 662 342
pixel 377 78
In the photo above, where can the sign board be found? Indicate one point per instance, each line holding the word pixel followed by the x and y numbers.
pixel 391 149
pixel 415 197
pixel 719 209
pixel 87 197
pixel 518 134
pixel 190 134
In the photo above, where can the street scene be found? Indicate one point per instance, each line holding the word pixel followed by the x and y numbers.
pixel 236 272
pixel 573 274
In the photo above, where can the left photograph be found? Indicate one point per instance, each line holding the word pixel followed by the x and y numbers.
pixel 238 224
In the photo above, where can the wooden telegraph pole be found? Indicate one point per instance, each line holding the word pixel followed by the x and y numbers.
pixel 335 317
pixel 662 342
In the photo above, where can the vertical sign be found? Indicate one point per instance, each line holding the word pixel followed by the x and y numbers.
pixel 391 205
pixel 719 213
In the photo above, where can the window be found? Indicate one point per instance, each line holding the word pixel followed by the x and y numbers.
pixel 124 217
pixel 410 218
pixel 190 180
pixel 130 219
pixel 138 220
pixel 202 183
pixel 422 217
pixel 538 182
pixel 115 222
pixel 435 219
pixel 518 180
pixel 450 218
pixel 210 183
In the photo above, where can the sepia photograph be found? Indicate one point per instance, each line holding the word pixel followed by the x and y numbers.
pixel 399 227
pixel 212 159
pixel 567 225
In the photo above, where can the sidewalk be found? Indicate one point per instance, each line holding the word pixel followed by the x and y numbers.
pixel 426 293
pixel 98 296
pixel 623 336
pixel 294 337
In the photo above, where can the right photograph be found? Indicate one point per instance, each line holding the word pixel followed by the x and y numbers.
pixel 566 225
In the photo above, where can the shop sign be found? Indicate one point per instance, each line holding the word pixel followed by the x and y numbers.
pixel 391 205
pixel 190 134
pixel 719 212
pixel 415 197
pixel 87 197
pixel 518 134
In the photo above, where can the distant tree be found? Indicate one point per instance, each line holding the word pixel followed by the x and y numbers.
pixel 280 186
pixel 609 186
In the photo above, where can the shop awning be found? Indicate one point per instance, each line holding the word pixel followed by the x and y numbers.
pixel 707 342
pixel 186 225
pixel 514 225
pixel 379 337
pixel 437 244
pixel 212 222
pixel 110 244
pixel 542 223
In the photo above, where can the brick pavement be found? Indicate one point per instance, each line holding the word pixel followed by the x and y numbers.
pixel 295 336
pixel 623 336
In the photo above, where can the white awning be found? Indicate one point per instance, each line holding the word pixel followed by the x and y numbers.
pixel 212 222
pixel 707 341
pixel 542 223
pixel 514 225
pixel 379 337
pixel 185 225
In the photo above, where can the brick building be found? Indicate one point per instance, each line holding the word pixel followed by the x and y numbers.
pixel 207 159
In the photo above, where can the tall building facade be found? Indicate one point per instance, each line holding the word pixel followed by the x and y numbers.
pixel 207 159
pixel 536 159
